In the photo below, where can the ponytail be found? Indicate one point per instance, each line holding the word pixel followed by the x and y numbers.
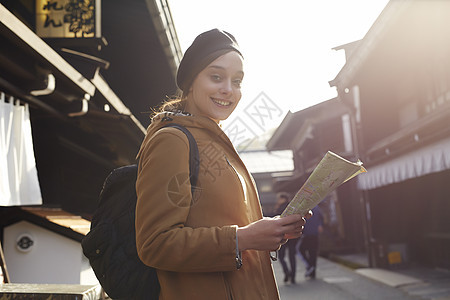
pixel 175 103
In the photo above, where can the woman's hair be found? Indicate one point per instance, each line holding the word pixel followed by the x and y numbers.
pixel 172 104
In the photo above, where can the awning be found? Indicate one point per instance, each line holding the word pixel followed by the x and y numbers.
pixel 430 159
pixel 54 219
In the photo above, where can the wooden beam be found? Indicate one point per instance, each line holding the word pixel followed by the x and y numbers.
pixel 114 100
pixel 3 266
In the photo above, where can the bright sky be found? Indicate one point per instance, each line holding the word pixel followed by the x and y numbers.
pixel 287 44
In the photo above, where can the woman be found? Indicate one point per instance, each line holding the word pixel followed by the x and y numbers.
pixel 215 244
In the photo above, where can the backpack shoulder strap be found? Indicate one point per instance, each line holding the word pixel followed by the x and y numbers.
pixel 194 157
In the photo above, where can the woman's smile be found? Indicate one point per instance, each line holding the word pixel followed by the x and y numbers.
pixel 220 102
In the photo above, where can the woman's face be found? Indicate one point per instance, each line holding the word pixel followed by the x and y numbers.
pixel 216 90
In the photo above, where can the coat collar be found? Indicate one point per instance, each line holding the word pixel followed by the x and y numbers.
pixel 190 122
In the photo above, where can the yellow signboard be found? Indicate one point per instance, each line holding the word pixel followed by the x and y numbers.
pixel 68 18
pixel 394 257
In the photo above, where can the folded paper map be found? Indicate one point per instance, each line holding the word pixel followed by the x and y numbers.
pixel 331 172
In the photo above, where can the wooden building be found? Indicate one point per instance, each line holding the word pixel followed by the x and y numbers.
pixel 89 73
pixel 395 89
pixel 394 103
pixel 398 81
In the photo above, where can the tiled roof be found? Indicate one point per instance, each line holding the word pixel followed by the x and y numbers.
pixel 268 162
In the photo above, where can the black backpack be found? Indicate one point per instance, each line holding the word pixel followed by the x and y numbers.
pixel 110 245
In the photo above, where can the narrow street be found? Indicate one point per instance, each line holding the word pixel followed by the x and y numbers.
pixel 86 87
pixel 336 282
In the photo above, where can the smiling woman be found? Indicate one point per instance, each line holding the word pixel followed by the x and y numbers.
pixel 216 91
pixel 209 77
pixel 213 243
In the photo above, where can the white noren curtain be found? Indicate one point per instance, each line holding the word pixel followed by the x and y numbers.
pixel 19 183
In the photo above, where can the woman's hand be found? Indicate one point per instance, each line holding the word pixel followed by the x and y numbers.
pixel 270 233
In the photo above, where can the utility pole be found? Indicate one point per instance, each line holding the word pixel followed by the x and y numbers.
pixel 363 197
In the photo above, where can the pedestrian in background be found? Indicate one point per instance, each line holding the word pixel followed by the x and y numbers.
pixel 216 246
pixel 290 246
pixel 309 242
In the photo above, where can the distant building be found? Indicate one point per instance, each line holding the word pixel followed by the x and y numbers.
pixel 266 167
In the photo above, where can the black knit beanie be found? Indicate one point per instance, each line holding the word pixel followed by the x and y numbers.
pixel 206 47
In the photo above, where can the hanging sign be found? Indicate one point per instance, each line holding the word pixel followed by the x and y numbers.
pixel 68 18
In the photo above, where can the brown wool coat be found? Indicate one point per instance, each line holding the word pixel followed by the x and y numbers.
pixel 191 241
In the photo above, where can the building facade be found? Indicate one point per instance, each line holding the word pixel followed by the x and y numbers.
pixel 85 74
pixel 392 112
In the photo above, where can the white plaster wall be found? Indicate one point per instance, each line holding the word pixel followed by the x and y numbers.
pixel 52 258
pixel 87 276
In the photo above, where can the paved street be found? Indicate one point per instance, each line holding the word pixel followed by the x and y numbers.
pixel 336 282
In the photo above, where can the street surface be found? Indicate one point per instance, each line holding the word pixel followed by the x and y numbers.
pixel 336 282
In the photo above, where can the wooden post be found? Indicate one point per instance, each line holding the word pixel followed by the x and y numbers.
pixel 3 265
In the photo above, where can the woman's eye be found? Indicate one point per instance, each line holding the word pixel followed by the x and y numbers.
pixel 237 82
pixel 215 77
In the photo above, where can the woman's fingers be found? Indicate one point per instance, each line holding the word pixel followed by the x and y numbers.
pixel 290 219
pixel 270 233
pixel 292 223
pixel 293 235
pixel 292 226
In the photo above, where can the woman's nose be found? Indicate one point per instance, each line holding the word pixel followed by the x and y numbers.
pixel 226 87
